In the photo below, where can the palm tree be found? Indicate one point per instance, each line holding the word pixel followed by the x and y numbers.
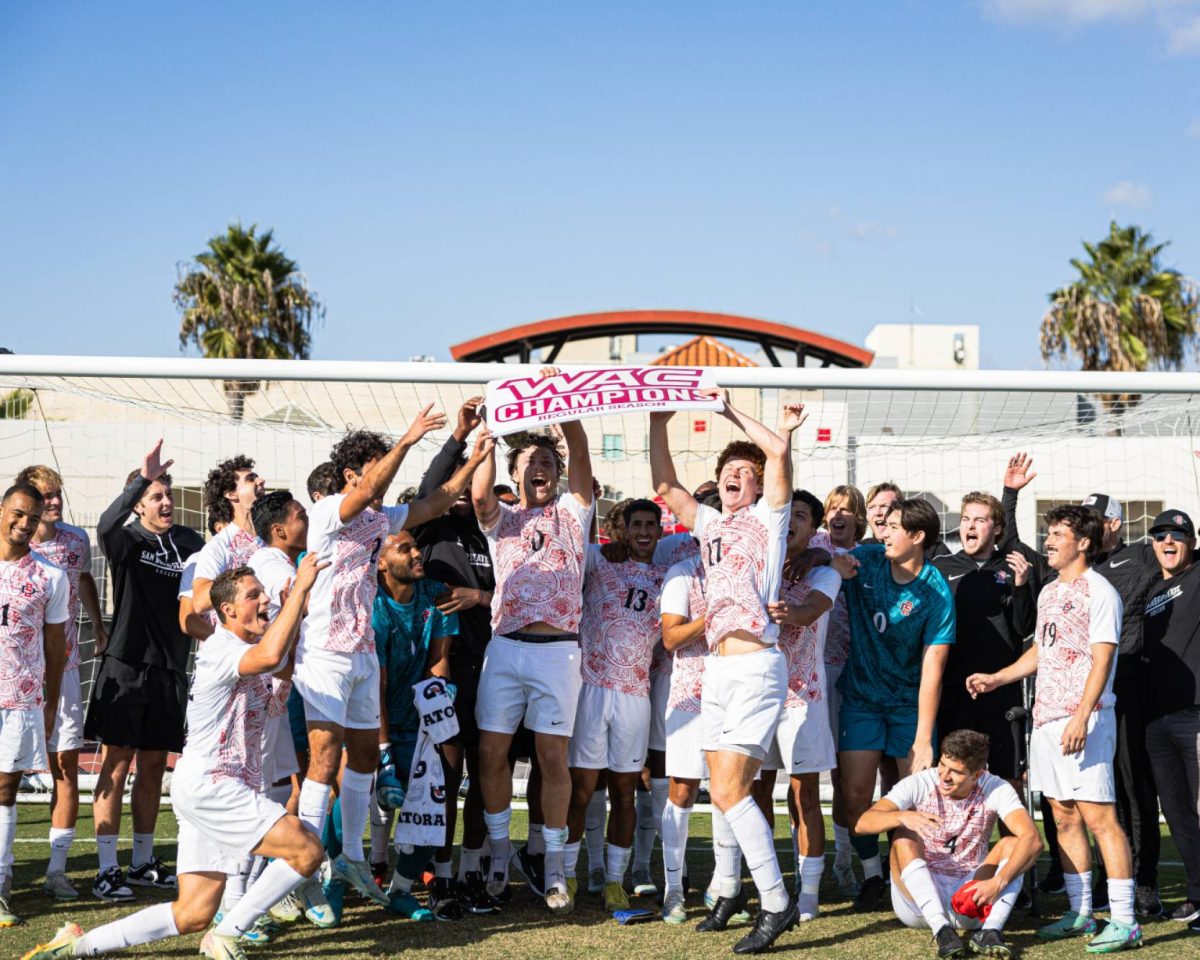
pixel 244 298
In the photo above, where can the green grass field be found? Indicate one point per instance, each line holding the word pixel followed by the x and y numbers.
pixel 525 930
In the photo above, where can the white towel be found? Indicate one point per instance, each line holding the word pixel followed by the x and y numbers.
pixel 422 820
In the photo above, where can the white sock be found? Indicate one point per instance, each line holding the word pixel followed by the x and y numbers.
pixel 314 805
pixel 497 827
pixel 143 849
pixel 872 867
pixel 674 840
pixel 381 832
pixel 727 858
pixel 754 836
pixel 1079 892
pixel 811 870
pixel 8 833
pixel 841 844
pixel 61 839
pixel 924 893
pixel 1120 900
pixel 106 850
pixel 145 926
pixel 556 842
pixel 1003 907
pixel 356 804
pixel 235 885
pixel 617 863
pixel 258 865
pixel 570 859
pixel 643 836
pixel 443 869
pixel 536 844
pixel 281 793
pixel 593 830
pixel 277 881
pixel 468 862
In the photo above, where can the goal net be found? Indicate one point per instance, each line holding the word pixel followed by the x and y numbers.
pixel 938 435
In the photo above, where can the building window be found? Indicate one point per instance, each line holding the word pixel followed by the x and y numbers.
pixel 614 446
pixel 189 508
pixel 1139 514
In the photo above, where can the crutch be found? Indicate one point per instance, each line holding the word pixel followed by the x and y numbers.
pixel 1019 720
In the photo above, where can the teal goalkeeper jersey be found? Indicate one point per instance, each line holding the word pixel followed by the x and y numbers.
pixel 890 626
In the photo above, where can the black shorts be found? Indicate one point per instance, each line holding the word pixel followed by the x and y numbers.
pixel 137 706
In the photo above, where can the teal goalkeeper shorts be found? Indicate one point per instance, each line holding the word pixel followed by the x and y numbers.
pixel 871 728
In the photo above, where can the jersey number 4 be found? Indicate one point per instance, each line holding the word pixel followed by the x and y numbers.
pixel 635 599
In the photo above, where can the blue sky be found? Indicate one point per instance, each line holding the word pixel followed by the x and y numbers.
pixel 442 170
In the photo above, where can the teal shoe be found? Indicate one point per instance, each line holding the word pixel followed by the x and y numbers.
pixel 1069 925
pixel 1116 936
pixel 407 906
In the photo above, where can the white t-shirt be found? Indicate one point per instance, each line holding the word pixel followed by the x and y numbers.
pixel 339 607
pixel 274 570
pixel 70 550
pixel 804 647
pixel 232 547
pixel 1071 617
pixel 958 844
pixel 683 596
pixel 743 555
pixel 33 592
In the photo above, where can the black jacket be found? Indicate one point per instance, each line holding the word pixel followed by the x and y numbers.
pixel 144 569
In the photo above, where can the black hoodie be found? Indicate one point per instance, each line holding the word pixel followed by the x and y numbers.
pixel 144 569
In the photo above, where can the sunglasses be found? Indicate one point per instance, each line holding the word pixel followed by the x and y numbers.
pixel 1161 535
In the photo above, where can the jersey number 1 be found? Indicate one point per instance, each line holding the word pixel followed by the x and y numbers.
pixel 4 615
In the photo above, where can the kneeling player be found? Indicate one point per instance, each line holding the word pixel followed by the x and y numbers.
pixel 943 876
pixel 223 815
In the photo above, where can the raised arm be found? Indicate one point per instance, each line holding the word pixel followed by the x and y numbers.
pixel 377 480
pixel 777 474
pixel 579 462
pixel 272 650
pixel 438 502
pixel 441 468
pixel 110 530
pixel 813 607
pixel 1018 474
pixel 662 471
pixel 483 495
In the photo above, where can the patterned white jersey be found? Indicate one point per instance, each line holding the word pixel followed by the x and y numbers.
pixel 669 551
pixel 232 547
pixel 33 592
pixel 226 714
pixel 683 596
pixel 621 624
pixel 742 554
pixel 339 607
pixel 804 647
pixel 837 635
pixel 71 550
pixel 274 570
pixel 1071 617
pixel 958 845
pixel 538 558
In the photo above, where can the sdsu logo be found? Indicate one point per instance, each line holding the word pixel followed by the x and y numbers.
pixel 906 608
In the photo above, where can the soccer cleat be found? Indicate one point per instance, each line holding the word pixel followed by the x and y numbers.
pixel 334 892
pixel 287 910
pixel 317 909
pixel 990 943
pixel 110 885
pixel 1194 926
pixel 153 873
pixel 1186 912
pixel 444 902
pixel 870 896
pixel 7 917
pixel 807 906
pixel 59 887
pixel 357 874
pixel 472 894
pixel 1070 924
pixel 63 944
pixel 561 900
pixel 1116 936
pixel 949 943
pixel 531 867
pixel 724 912
pixel 409 907
pixel 847 883
pixel 643 886
pixel 255 936
pixel 1146 903
pixel 673 910
pixel 596 881
pixel 768 927
pixel 615 897
pixel 216 947
pixel 1053 881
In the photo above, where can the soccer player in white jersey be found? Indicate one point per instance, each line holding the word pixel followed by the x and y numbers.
pixel 943 875
pixel 804 738
pixel 337 671
pixel 217 784
pixel 68 547
pixel 230 490
pixel 34 606
pixel 1074 732
pixel 618 633
pixel 745 678
pixel 531 669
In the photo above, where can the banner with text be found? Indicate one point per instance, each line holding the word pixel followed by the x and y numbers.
pixel 527 403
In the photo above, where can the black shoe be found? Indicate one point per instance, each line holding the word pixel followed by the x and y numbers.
pixel 724 910
pixel 444 902
pixel 532 868
pixel 153 873
pixel 1194 926
pixel 110 885
pixel 768 927
pixel 1024 900
pixel 1053 881
pixel 472 894
pixel 870 895
pixel 949 943
pixel 1186 912
pixel 1146 903
pixel 990 943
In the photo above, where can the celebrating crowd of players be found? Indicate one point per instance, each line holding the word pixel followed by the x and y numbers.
pixel 355 660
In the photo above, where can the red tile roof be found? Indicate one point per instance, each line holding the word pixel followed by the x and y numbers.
pixel 703 351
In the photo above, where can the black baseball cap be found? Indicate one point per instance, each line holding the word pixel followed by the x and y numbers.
pixel 1175 520
pixel 1108 507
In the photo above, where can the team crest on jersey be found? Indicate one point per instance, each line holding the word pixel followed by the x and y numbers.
pixel 906 608
pixel 1002 576
pixel 1067 606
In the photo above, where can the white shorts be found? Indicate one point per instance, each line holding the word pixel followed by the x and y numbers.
pixel 910 914
pixel 68 723
pixel 741 701
pixel 1086 776
pixel 833 697
pixel 685 745
pixel 22 740
pixel 219 823
pixel 611 731
pixel 660 690
pixel 803 741
pixel 278 751
pixel 539 682
pixel 341 688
